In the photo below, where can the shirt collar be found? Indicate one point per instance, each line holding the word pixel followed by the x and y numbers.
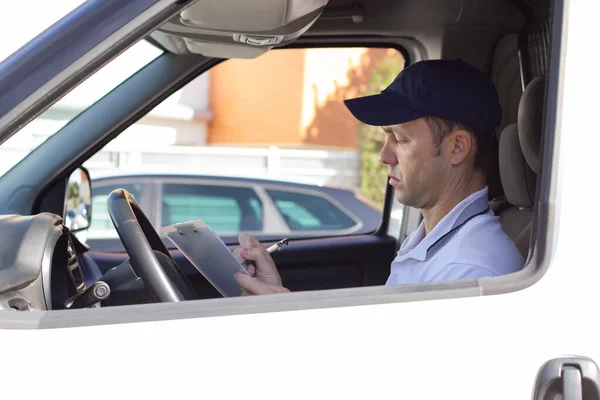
pixel 419 243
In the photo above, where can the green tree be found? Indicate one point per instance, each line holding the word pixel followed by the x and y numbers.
pixel 72 195
pixel 373 174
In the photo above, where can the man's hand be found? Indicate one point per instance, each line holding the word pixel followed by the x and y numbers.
pixel 264 277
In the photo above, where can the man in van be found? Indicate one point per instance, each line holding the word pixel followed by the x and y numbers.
pixel 439 117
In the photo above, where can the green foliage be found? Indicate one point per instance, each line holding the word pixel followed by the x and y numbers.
pixel 73 190
pixel 371 138
pixel 72 195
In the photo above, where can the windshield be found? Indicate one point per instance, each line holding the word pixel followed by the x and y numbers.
pixel 46 13
pixel 41 14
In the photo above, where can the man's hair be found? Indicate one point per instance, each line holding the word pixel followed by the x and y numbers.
pixel 485 143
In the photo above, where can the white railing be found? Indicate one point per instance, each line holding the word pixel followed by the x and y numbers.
pixel 320 167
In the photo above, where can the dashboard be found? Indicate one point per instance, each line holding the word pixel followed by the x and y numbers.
pixel 40 263
pixel 43 266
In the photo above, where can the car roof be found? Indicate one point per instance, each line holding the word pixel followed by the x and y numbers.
pixel 260 181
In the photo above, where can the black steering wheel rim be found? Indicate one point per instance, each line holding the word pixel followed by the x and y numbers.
pixel 141 242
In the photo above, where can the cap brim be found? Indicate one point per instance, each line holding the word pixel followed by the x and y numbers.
pixel 378 110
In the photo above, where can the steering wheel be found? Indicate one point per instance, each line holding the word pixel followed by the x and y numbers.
pixel 148 256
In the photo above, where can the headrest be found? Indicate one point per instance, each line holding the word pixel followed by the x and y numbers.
pixel 517 178
pixel 530 117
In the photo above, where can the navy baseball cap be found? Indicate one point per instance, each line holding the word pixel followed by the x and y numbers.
pixel 450 89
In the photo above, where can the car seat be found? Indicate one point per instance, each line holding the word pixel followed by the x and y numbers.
pixel 519 149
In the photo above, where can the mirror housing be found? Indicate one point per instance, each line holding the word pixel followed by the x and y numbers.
pixel 78 201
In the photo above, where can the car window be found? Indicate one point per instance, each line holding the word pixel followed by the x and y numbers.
pixel 305 212
pixel 101 226
pixel 298 136
pixel 227 210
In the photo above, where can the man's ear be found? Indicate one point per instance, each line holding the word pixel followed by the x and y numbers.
pixel 460 146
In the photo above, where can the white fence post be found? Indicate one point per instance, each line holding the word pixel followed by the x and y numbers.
pixel 274 162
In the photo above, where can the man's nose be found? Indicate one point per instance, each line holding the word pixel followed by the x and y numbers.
pixel 387 156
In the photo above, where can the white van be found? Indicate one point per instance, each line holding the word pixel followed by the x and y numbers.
pixel 340 333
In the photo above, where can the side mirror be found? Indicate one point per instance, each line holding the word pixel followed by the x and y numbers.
pixel 78 203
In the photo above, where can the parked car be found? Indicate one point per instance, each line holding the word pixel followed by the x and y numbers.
pixel 230 205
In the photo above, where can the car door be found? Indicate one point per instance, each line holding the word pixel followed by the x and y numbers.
pixel 311 213
pixel 227 209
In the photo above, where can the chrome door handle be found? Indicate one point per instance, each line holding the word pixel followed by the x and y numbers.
pixel 575 378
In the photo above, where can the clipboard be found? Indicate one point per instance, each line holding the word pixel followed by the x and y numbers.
pixel 205 250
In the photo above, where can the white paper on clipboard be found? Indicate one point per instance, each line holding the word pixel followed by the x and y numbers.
pixel 206 251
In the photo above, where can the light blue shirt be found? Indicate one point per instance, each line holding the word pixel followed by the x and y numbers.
pixel 467 243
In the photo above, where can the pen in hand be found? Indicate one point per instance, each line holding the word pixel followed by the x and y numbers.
pixel 271 249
